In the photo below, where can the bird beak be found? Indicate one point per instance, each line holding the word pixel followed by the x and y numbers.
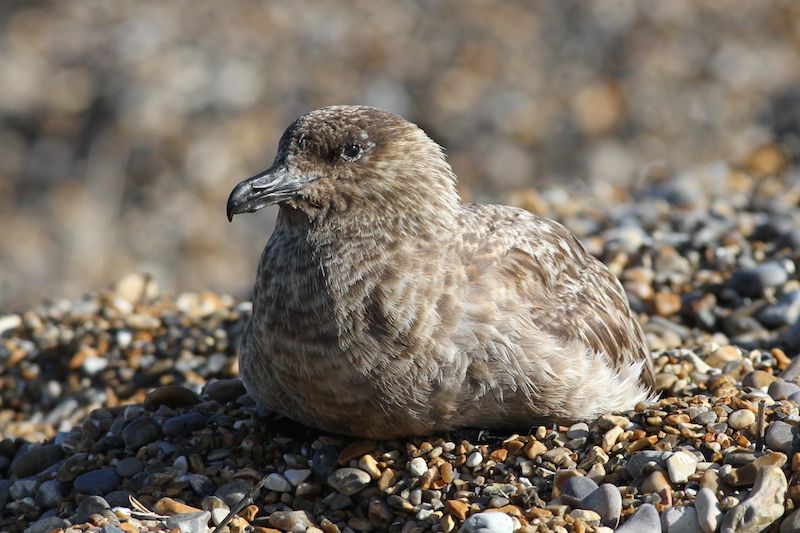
pixel 272 186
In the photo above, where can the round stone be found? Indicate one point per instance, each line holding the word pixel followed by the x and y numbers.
pixel 708 510
pixel 278 483
pixel 605 501
pixel 741 419
pixel 680 519
pixel 680 466
pixel 35 459
pixel 348 480
pixel 474 459
pixel 184 424
pixel 129 467
pixel 488 523
pixel 576 489
pixel 140 432
pixel 172 396
pixel 779 437
pixel 417 466
pixel 100 481
pixel 646 520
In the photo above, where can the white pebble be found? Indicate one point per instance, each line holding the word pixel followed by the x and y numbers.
pixel 417 466
pixel 278 483
pixel 474 459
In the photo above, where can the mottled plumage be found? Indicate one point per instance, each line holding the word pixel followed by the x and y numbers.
pixel 384 307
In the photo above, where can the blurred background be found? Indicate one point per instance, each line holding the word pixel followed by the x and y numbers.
pixel 124 125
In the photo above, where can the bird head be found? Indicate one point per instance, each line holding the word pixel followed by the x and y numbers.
pixel 350 158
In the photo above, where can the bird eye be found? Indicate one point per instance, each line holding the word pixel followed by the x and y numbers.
pixel 352 151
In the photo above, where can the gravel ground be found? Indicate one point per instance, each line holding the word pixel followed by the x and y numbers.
pixel 122 411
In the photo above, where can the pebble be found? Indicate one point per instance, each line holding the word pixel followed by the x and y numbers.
pixel 35 459
pixel 741 419
pixel 763 506
pixel 680 466
pixel 349 481
pixel 100 481
pixel 293 521
pixel 297 476
pixel 791 524
pixel 488 523
pixel 417 466
pixel 49 494
pixel 224 390
pixel 278 483
pixel 646 520
pixel 753 281
pixel 184 424
pixel 140 432
pixel 189 522
pixel 90 506
pixel 779 437
pixel 474 459
pixel 576 488
pixel 680 519
pixel 708 510
pixel 129 467
pixel 232 493
pixel 606 501
pixel 578 431
pixel 781 389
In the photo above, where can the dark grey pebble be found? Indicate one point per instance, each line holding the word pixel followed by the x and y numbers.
pixel 224 390
pixel 118 498
pixel 324 461
pixel 49 494
pixel 140 432
pixel 184 424
pixel 705 417
pixel 233 492
pixel 22 488
pixel 783 312
pixel 779 437
pixel 637 461
pixel 171 396
pixel 35 459
pixel 89 506
pixel 129 467
pixel 605 501
pixel 646 520
pixel 575 489
pixel 5 486
pixel 98 481
pixel 44 525
pixel 349 481
pixel 202 485
pixel 752 281
pixel 781 389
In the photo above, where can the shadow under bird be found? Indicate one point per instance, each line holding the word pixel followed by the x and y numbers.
pixel 385 307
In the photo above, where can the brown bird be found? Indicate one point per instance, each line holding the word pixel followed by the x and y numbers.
pixel 384 307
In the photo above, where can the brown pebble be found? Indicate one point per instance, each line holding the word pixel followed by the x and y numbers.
pixel 387 479
pixel 534 449
pixel 170 507
pixel 354 450
pixel 666 303
pixel 249 513
pixel 446 471
pixel 171 396
pixel 457 508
